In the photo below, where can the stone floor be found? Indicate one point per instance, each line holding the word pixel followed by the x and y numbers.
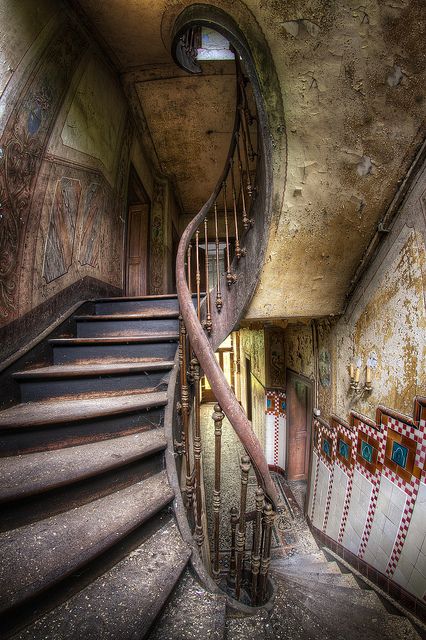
pixel 291 534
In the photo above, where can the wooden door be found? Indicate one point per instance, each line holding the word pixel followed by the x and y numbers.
pixel 299 419
pixel 137 250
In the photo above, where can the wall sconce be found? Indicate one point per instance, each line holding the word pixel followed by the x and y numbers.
pixel 355 373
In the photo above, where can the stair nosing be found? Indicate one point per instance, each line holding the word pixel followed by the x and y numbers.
pixel 147 338
pixel 140 315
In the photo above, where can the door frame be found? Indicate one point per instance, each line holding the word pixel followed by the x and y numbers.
pixel 136 196
pixel 291 374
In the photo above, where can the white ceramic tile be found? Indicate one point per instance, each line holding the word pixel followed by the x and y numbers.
pixel 417 584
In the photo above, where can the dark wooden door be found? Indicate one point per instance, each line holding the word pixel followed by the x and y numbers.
pixel 137 250
pixel 299 419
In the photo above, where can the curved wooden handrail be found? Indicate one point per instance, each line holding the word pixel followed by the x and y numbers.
pixel 203 348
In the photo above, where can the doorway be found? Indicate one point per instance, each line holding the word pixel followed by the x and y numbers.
pixel 299 421
pixel 137 244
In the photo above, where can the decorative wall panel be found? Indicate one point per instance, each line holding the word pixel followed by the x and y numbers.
pixel 22 146
pixel 375 503
pixel 276 412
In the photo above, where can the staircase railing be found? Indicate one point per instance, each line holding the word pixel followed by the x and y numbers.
pixel 233 198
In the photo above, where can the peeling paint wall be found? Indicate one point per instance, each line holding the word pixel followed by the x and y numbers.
pixel 386 319
pixel 252 347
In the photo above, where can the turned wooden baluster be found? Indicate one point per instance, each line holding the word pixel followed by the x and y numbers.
pixel 231 278
pixel 243 139
pixel 241 531
pixel 238 251
pixel 257 541
pixel 219 301
pixel 184 394
pixel 208 323
pixel 247 222
pixel 199 534
pixel 232 562
pixel 268 521
pixel 197 272
pixel 218 416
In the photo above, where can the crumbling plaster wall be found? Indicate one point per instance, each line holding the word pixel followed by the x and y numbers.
pixel 385 320
pixel 352 80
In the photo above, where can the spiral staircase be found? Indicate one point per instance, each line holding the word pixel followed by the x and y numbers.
pixel 103 534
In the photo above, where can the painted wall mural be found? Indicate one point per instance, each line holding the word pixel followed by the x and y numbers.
pixel 22 144
pixel 58 253
pixel 368 490
pixel 64 166
pixel 274 358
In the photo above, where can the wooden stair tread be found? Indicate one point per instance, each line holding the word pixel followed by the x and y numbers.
pixel 125 600
pixel 50 412
pixel 39 555
pixel 136 315
pixel 33 473
pixel 148 337
pixel 93 369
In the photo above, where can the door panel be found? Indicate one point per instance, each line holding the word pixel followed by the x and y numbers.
pixel 137 250
pixel 299 410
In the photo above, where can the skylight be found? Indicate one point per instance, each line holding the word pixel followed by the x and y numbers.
pixel 214 46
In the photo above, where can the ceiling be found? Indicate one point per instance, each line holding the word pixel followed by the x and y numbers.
pixel 352 79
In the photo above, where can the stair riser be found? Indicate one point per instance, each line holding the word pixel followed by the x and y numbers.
pixel 54 388
pixel 104 328
pixel 135 306
pixel 114 352
pixel 69 434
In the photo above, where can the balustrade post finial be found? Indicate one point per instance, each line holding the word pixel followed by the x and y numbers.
pixel 241 531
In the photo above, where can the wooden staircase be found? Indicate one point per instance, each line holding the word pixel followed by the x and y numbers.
pixel 91 546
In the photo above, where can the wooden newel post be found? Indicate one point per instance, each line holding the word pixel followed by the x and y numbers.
pixel 241 531
pixel 268 521
pixel 217 416
pixel 257 541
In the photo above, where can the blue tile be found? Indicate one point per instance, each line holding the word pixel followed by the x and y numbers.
pixel 326 447
pixel 399 454
pixel 344 449
pixel 367 451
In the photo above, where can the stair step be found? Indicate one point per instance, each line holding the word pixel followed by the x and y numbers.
pixel 192 612
pixel 142 304
pixel 123 325
pixel 123 602
pixel 49 413
pixel 41 554
pixel 342 580
pixel 119 349
pixel 25 475
pixel 94 377
pixel 314 568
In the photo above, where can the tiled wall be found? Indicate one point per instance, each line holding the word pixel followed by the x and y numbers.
pixel 275 428
pixel 368 491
